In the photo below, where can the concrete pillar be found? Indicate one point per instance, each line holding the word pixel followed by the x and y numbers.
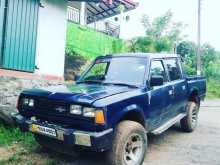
pixel 83 13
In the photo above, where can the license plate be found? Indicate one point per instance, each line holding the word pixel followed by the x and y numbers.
pixel 43 130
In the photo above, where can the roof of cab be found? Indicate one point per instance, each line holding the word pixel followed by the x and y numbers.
pixel 142 55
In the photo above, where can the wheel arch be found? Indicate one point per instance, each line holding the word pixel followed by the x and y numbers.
pixel 135 115
pixel 194 95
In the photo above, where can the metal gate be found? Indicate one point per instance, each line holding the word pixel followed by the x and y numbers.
pixel 2 15
pixel 19 42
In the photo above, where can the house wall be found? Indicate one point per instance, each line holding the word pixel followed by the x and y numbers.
pixel 50 53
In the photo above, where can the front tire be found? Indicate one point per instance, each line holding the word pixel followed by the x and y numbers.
pixel 189 123
pixel 129 144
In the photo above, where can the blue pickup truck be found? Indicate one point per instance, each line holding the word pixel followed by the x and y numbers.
pixel 114 104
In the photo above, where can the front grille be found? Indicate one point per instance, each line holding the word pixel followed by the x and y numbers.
pixel 49 106
pixel 45 110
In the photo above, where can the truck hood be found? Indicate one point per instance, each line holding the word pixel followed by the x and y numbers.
pixel 79 93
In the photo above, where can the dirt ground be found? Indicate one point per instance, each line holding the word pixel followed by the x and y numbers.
pixel 173 147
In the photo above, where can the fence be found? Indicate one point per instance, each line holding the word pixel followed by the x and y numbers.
pixel 73 14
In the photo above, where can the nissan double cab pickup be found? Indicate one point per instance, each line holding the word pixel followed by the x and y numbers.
pixel 114 104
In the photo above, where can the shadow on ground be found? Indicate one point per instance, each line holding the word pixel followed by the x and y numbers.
pixel 101 158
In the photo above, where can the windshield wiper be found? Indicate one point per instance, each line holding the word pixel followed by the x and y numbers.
pixel 90 81
pixel 108 83
pixel 121 84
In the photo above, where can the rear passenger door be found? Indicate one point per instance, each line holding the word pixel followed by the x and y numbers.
pixel 178 92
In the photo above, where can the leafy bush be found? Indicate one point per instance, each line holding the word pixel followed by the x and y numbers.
pixel 213 88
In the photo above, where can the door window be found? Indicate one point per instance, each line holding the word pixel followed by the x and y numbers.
pixel 173 69
pixel 157 69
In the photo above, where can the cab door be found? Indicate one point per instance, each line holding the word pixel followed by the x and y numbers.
pixel 159 99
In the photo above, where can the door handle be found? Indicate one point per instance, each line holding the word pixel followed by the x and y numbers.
pixel 171 92
pixel 183 87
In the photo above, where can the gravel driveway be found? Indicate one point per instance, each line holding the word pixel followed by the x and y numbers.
pixel 201 147
pixel 174 147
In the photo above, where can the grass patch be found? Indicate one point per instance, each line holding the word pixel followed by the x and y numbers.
pixel 213 89
pixel 14 158
pixel 19 159
pixel 9 135
pixel 19 148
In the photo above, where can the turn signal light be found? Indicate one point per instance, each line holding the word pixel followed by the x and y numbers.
pixel 99 117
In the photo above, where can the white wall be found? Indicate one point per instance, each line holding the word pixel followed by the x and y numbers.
pixel 51 40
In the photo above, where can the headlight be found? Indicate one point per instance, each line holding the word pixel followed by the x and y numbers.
pixel 88 112
pixel 76 109
pixel 25 101
pixel 31 103
pixel 28 102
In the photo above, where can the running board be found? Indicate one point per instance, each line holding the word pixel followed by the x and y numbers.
pixel 168 124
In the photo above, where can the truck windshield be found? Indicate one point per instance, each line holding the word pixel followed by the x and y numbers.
pixel 117 70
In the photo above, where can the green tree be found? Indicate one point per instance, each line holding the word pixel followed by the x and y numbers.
pixel 210 58
pixel 187 50
pixel 162 34
pixel 140 44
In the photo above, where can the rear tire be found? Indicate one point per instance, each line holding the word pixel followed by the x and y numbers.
pixel 189 123
pixel 129 144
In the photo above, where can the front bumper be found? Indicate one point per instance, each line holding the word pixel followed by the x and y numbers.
pixel 95 141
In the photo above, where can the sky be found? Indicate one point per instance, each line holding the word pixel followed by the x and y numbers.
pixel 184 11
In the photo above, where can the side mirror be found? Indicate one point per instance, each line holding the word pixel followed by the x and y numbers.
pixel 76 78
pixel 156 81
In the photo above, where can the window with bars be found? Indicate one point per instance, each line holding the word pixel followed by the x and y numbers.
pixel 73 14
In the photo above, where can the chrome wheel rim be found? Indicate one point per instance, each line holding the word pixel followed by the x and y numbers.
pixel 194 116
pixel 133 149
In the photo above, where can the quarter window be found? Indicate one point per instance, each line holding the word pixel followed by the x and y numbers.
pixel 173 69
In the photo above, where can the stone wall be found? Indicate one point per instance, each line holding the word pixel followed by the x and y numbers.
pixel 10 88
pixel 13 82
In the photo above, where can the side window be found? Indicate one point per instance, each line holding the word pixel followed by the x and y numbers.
pixel 173 69
pixel 157 69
